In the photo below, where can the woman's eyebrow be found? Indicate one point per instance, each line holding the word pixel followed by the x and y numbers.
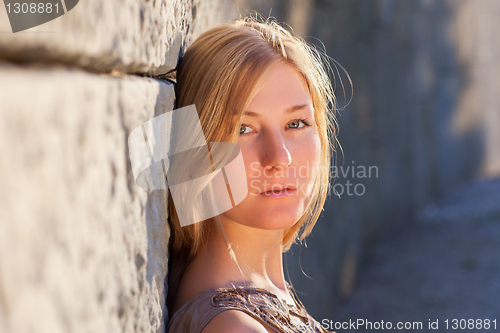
pixel 289 110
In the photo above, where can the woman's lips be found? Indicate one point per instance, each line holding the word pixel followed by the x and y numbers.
pixel 278 193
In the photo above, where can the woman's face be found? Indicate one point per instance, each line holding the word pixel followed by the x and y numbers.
pixel 281 149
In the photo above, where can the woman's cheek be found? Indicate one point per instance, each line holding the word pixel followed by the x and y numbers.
pixel 313 160
pixel 252 170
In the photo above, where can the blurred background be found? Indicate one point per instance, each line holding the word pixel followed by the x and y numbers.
pixel 409 233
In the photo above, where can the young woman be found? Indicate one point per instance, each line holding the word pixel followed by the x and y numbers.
pixel 254 84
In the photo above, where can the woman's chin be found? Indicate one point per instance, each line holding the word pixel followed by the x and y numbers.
pixel 273 219
pixel 269 214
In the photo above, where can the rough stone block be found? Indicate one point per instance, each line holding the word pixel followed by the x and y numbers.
pixel 132 36
pixel 82 248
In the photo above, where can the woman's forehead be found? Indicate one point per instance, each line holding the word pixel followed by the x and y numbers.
pixel 282 88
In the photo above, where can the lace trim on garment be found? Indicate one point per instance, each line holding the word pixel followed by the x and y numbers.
pixel 268 307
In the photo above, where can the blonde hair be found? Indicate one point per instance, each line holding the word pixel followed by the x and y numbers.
pixel 220 73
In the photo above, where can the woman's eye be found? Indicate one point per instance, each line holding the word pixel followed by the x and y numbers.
pixel 244 129
pixel 299 123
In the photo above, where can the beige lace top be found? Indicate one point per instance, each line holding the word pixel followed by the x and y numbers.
pixel 258 303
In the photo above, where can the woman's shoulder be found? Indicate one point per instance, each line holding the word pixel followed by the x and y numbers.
pixel 241 309
pixel 206 313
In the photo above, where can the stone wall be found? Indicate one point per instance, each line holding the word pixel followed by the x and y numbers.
pixel 82 248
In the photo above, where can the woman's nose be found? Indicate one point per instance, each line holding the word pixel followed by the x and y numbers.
pixel 275 152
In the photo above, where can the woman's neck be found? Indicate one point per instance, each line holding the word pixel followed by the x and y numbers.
pixel 258 262
pixel 258 254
